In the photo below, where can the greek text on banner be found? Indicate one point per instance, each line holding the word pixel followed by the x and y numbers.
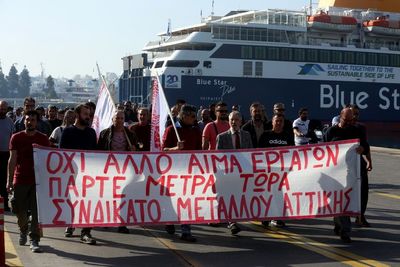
pixel 102 188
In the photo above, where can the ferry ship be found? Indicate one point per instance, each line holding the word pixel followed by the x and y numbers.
pixel 345 52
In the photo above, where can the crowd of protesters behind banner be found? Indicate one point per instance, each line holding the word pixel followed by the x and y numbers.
pixel 207 128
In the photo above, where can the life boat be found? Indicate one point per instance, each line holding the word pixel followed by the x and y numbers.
pixel 325 22
pixel 382 26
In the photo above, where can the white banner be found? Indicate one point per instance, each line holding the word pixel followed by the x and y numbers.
pixel 105 110
pixel 160 111
pixel 83 188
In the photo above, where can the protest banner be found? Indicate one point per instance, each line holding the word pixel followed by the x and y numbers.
pixel 105 188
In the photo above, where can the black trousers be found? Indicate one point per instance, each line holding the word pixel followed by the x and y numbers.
pixel 4 156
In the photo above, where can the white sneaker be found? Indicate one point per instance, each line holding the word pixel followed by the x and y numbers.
pixel 35 247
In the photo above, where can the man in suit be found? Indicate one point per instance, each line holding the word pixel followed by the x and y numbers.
pixel 234 138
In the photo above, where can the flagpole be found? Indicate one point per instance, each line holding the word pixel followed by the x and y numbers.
pixel 168 110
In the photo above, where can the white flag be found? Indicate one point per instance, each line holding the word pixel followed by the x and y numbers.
pixel 105 110
pixel 160 111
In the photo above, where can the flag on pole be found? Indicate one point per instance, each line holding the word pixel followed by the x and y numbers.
pixel 105 110
pixel 160 111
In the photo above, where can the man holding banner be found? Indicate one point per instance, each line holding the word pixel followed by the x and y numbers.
pixel 190 136
pixel 80 136
pixel 344 131
pixel 118 138
pixel 21 178
pixel 234 138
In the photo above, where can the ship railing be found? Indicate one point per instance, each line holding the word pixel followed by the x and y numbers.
pixel 167 39
pixel 154 55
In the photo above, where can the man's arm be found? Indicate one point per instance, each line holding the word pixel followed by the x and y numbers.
pixel 297 132
pixel 296 129
pixel 219 142
pixel 12 161
pixel 369 161
pixel 169 140
pixel 205 143
pixel 64 140
pixel 205 138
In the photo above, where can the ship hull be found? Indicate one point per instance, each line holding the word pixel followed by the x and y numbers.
pixel 378 102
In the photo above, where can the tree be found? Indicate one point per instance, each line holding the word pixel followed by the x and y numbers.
pixel 3 85
pixel 13 81
pixel 24 83
pixel 50 91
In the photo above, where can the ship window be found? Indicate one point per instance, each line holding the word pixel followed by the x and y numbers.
pixel 243 34
pixel 348 57
pixel 299 54
pixel 215 32
pixel 183 63
pixel 207 64
pixel 336 57
pixel 286 54
pixel 325 56
pixel 312 55
pixel 247 52
pixel 247 68
pixel 158 64
pixel 383 60
pixel 395 60
pixel 259 68
pixel 222 33
pixel 273 53
pixel 259 52
pixel 229 34
pixel 250 35
pixel 237 34
pixel 257 35
pixel 202 47
pixel 264 35
pixel 360 58
pixel 372 59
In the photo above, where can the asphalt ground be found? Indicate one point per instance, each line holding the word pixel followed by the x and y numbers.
pixel 301 243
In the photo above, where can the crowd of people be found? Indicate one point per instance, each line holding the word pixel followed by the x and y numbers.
pixel 211 128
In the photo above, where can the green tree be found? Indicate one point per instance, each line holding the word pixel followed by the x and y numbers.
pixel 3 85
pixel 50 91
pixel 13 81
pixel 24 83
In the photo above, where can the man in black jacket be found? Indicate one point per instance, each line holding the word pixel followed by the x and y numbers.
pixel 345 130
pixel 257 125
pixel 118 138
pixel 80 136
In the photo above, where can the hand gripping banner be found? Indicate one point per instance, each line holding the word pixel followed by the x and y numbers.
pixel 103 188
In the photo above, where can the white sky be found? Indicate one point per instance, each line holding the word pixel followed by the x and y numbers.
pixel 68 37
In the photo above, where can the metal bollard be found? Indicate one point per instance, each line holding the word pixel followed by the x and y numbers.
pixel 2 245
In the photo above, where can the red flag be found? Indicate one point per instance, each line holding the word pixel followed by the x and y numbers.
pixel 160 111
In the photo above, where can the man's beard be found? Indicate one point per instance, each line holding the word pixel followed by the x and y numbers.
pixel 224 118
pixel 257 117
pixel 84 122
pixel 29 128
